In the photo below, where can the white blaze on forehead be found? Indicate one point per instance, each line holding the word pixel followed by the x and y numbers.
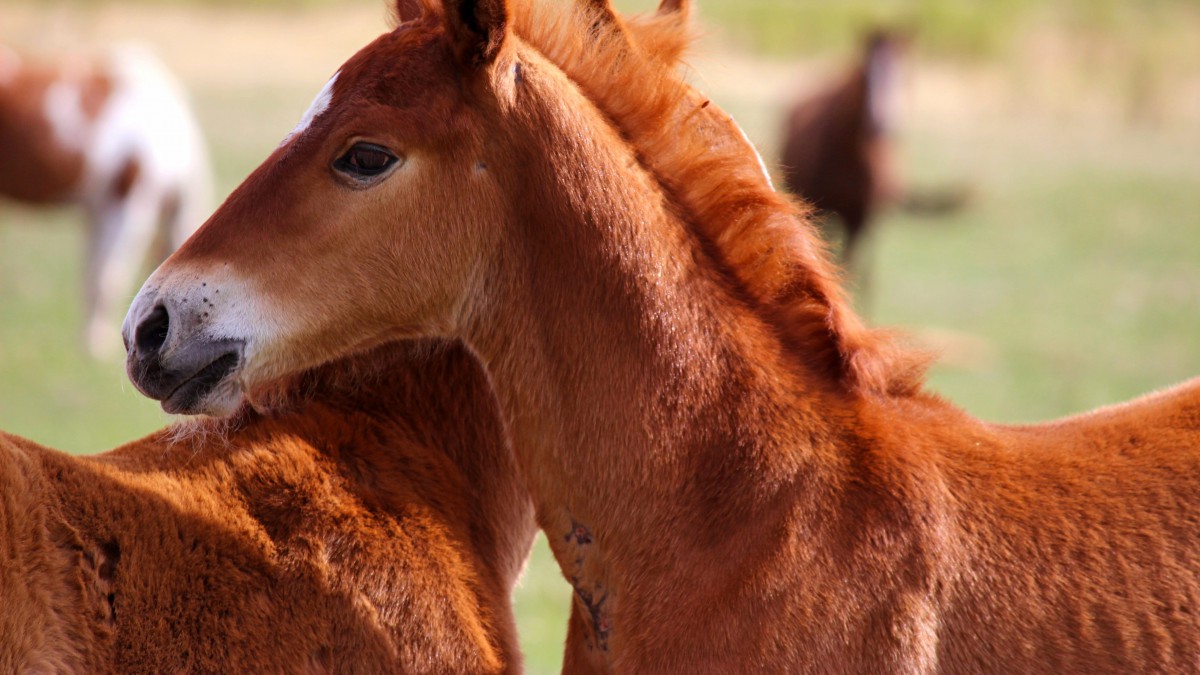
pixel 319 105
pixel 883 94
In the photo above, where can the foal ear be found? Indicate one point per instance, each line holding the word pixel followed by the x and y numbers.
pixel 476 29
pixel 408 10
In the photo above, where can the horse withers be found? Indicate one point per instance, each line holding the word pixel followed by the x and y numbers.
pixel 733 472
pixel 116 136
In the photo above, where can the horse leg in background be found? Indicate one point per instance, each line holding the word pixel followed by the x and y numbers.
pixel 182 211
pixel 854 223
pixel 157 150
pixel 120 234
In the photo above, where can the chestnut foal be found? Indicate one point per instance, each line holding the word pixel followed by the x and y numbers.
pixel 373 523
pixel 732 471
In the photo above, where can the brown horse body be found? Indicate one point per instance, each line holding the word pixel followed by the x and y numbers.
pixel 837 150
pixel 733 473
pixel 372 526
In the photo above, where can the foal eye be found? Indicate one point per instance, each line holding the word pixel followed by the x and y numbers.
pixel 365 160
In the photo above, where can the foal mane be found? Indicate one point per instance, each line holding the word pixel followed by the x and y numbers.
pixel 764 239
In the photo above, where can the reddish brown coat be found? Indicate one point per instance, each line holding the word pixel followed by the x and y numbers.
pixel 732 471
pixel 374 524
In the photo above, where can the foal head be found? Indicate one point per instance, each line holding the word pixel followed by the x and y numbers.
pixel 370 221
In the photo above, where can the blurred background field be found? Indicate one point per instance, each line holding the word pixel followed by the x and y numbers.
pixel 1071 280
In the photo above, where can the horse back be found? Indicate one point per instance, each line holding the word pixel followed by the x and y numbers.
pixel 181 554
pixel 1078 541
pixel 1171 414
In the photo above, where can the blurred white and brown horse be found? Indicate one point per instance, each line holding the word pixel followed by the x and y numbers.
pixel 116 136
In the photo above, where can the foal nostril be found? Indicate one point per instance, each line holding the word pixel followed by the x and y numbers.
pixel 152 332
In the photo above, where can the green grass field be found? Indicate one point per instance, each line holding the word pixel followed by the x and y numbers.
pixel 1071 280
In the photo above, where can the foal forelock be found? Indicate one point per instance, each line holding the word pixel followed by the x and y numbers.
pixel 761 236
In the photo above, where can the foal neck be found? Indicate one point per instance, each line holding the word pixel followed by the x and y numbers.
pixel 632 375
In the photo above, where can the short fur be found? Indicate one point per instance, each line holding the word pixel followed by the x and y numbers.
pixel 376 524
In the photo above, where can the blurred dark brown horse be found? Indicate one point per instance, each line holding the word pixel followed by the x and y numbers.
pixel 837 152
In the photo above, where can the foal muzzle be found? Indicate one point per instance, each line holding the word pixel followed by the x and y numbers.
pixel 170 360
